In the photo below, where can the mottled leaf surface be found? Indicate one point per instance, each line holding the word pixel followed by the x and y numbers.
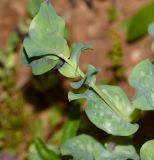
pixel 123 152
pixel 100 113
pixel 142 79
pixel 84 147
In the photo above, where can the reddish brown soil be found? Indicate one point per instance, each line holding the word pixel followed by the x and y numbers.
pixel 87 26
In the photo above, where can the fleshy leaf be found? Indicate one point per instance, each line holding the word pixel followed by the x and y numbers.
pixel 24 57
pixel 138 25
pixel 119 99
pixel 91 75
pixel 100 113
pixel 147 151
pixel 72 71
pixel 123 152
pixel 77 85
pixel 43 65
pixel 39 64
pixel 76 51
pixel 73 96
pixel 45 39
pixel 142 79
pixel 90 78
pixel 85 147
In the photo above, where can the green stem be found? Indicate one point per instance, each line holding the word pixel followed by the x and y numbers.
pixel 102 95
pixel 70 63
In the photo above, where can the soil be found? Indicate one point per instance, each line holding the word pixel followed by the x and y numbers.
pixel 87 25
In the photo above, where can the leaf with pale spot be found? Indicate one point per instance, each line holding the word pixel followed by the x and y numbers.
pixel 100 113
pixel 84 147
pixel 142 79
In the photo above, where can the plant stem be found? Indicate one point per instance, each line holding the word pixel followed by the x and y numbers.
pixel 102 95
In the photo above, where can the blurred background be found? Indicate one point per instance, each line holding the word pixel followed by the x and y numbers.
pixel 37 106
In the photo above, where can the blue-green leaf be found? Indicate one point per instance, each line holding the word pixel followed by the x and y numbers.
pixel 43 65
pixel 124 152
pixel 45 40
pixel 24 57
pixel 100 113
pixel 84 147
pixel 72 70
pixel 76 51
pixel 90 78
pixel 142 79
pixel 39 65
pixel 78 84
pixel 147 151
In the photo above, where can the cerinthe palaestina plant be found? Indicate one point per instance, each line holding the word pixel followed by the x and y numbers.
pixel 108 107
